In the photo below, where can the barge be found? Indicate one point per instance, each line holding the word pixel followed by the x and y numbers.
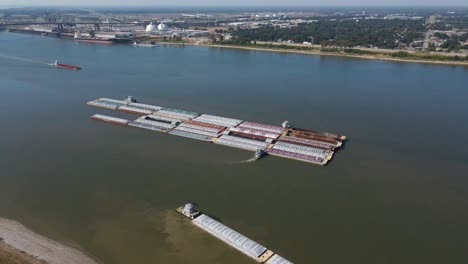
pixel 108 103
pixel 138 108
pixel 144 122
pixel 231 237
pixel 95 40
pixel 109 119
pixel 56 64
pixel 282 141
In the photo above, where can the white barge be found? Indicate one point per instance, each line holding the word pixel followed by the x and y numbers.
pixel 110 119
pixel 152 125
pixel 231 237
pixel 107 103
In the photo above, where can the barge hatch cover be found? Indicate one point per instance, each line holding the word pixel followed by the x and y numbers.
pixel 276 259
pixel 231 237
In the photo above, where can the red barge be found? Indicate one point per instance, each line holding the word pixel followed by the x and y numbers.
pixel 65 66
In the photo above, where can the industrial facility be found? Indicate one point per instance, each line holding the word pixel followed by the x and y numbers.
pixel 283 141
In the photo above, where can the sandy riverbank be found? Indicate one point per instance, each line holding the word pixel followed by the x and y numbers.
pixel 9 254
pixel 26 241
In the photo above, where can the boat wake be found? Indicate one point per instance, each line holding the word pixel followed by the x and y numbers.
pixel 239 162
pixel 259 153
pixel 249 160
pixel 16 58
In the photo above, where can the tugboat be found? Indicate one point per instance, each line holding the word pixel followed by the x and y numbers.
pixel 258 154
pixel 130 100
pixel 56 64
pixel 189 211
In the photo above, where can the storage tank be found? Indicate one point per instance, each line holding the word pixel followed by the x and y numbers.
pixel 151 27
pixel 163 27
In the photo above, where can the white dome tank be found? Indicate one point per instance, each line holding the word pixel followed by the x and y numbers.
pixel 163 27
pixel 151 27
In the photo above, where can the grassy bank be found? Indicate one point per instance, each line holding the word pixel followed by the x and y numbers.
pixel 422 57
pixel 400 55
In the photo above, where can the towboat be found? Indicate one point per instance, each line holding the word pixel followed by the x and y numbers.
pixel 188 210
pixel 259 154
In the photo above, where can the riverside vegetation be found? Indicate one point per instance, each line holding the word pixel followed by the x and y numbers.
pixel 399 55
pixel 378 38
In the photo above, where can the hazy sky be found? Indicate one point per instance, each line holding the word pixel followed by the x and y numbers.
pixel 235 2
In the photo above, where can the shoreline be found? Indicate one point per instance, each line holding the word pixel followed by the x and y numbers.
pixel 336 54
pixel 42 248
pixel 9 254
pixel 321 53
pixel 314 52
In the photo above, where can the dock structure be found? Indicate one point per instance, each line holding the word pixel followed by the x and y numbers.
pixel 231 237
pixel 282 141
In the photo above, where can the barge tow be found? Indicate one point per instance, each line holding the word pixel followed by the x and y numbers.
pixel 283 141
pixel 231 237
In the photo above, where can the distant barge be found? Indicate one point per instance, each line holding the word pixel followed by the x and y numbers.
pixel 282 141
pixel 95 40
pixel 56 64
pixel 90 38
pixel 231 237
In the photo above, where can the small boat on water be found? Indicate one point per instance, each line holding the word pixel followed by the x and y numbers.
pixel 146 45
pixel 56 64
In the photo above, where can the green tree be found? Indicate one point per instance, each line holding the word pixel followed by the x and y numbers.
pixel 400 54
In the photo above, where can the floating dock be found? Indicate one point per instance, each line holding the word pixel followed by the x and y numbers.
pixel 282 141
pixel 231 237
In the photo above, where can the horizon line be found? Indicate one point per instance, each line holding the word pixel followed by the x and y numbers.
pixel 233 6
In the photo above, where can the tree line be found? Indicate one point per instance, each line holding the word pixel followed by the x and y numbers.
pixel 346 33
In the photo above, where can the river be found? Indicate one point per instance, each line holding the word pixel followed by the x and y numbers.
pixel 396 193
